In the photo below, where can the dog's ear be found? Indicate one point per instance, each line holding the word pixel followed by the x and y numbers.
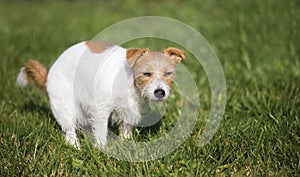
pixel 176 54
pixel 133 54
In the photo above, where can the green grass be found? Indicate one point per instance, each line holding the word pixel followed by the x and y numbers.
pixel 256 41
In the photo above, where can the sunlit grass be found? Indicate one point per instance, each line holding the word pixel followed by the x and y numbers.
pixel 257 44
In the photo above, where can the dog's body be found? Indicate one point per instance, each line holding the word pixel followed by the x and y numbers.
pixel 93 81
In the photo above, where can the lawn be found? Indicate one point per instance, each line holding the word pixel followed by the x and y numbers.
pixel 257 43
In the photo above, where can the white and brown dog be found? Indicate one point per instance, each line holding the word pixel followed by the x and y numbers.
pixel 94 81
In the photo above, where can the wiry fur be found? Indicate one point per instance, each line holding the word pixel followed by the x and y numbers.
pixel 94 81
pixel 33 71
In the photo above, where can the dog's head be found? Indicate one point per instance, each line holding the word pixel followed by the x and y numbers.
pixel 154 72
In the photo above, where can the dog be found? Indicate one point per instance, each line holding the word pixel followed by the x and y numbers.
pixel 93 83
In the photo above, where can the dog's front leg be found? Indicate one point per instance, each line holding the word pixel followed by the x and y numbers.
pixel 125 130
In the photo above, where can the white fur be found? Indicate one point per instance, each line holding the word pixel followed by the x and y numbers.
pixel 22 78
pixel 86 88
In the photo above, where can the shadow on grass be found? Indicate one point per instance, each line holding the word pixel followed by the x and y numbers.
pixel 32 106
pixel 42 108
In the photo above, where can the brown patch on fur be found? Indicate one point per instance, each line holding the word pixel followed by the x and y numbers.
pixel 176 54
pixel 169 80
pixel 141 81
pixel 133 54
pixel 36 72
pixel 98 46
pixel 154 66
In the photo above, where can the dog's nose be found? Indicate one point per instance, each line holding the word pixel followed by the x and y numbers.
pixel 159 93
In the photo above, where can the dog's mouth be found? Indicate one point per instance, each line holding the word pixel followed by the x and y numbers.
pixel 157 99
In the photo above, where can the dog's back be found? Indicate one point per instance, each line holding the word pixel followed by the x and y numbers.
pixel 78 80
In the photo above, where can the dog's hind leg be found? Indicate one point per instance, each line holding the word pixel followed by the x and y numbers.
pixel 71 137
pixel 65 116
pixel 68 126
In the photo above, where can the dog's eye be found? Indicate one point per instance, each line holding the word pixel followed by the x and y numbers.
pixel 147 74
pixel 168 73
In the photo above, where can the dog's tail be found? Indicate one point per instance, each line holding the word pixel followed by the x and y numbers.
pixel 32 72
